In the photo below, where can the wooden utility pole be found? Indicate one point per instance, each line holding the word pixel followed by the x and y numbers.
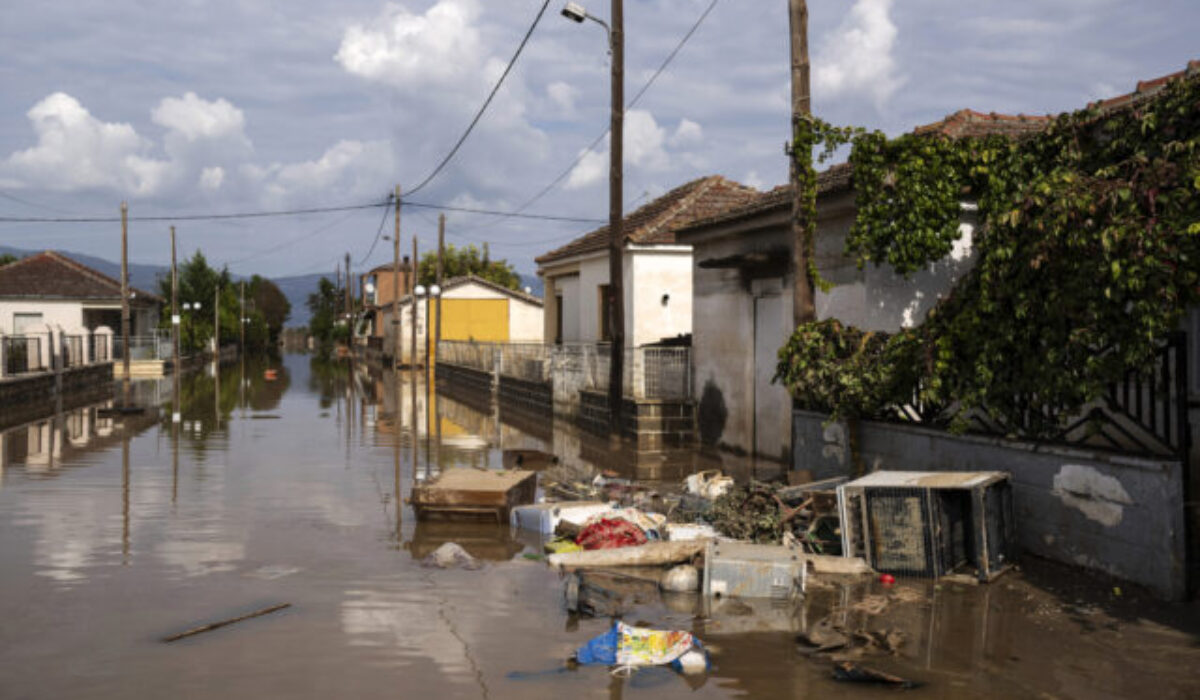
pixel 217 326
pixel 616 297
pixel 175 311
pixel 125 302
pixel 803 307
pixel 437 323
pixel 412 300
pixel 349 300
pixel 396 296
pixel 242 321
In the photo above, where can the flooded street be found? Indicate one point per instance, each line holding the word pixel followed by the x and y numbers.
pixel 118 531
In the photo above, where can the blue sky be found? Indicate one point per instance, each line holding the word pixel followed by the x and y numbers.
pixel 223 106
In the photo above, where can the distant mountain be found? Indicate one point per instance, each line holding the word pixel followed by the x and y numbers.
pixel 296 288
pixel 144 277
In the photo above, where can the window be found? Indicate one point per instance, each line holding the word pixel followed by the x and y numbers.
pixel 26 323
pixel 605 335
pixel 558 319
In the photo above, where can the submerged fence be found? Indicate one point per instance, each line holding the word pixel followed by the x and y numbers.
pixel 650 372
pixel 29 353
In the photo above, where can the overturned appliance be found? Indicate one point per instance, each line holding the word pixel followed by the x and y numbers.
pixel 736 569
pixel 929 524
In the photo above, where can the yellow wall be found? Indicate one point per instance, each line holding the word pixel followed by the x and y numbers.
pixel 485 320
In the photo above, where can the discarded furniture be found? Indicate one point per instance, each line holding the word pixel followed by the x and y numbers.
pixel 473 494
pixel 650 554
pixel 545 517
pixel 928 524
pixel 753 570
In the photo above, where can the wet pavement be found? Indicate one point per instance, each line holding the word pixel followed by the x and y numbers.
pixel 118 531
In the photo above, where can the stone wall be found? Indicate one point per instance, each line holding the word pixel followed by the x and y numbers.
pixel 652 425
pixel 1118 514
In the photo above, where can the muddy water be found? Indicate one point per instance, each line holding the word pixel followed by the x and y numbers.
pixel 116 532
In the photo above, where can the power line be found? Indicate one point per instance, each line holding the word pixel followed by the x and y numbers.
pixel 378 233
pixel 662 67
pixel 291 241
pixel 187 217
pixel 486 102
pixel 28 203
pixel 495 212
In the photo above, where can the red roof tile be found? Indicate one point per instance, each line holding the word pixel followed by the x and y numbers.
pixel 657 221
pixel 51 275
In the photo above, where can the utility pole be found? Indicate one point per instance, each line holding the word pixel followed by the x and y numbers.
pixel 175 310
pixel 125 302
pixel 437 323
pixel 349 300
pixel 803 307
pixel 217 326
pixel 616 300
pixel 242 321
pixel 396 298
pixel 412 299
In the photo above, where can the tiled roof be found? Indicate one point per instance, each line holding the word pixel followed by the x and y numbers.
pixel 657 221
pixel 51 275
pixel 1146 89
pixel 968 123
pixel 834 179
pixel 467 279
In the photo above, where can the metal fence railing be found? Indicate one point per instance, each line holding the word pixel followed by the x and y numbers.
pixel 650 372
pixel 99 347
pixel 72 351
pixel 23 353
pixel 145 347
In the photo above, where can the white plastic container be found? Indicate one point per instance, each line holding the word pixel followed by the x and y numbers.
pixel 544 517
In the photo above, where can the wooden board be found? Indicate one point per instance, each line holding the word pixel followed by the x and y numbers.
pixel 472 493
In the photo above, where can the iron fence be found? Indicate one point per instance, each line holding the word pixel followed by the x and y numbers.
pixel 145 347
pixel 99 347
pixel 23 353
pixel 72 351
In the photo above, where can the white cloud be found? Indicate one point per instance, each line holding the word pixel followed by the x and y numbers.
pixel 211 178
pixel 563 96
pixel 75 151
pixel 687 133
pixel 195 118
pixel 643 148
pixel 440 45
pixel 857 58
pixel 348 167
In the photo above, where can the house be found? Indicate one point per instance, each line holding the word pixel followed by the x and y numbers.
pixel 742 295
pixel 657 269
pixel 378 287
pixel 473 309
pixel 49 293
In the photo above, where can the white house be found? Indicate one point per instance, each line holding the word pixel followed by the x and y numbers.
pixel 742 295
pixel 50 293
pixel 657 270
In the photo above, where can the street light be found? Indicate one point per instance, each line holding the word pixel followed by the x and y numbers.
pixel 616 299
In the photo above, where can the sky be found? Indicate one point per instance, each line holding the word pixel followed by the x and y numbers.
pixel 225 106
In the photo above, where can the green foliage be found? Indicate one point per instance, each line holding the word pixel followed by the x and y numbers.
pixel 469 260
pixel 200 283
pixel 1088 253
pixel 326 307
pixel 809 133
pixel 7 258
pixel 268 309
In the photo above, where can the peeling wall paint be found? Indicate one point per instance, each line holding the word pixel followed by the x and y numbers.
pixel 1098 496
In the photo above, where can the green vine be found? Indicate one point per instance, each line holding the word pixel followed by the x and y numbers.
pixel 809 133
pixel 1087 254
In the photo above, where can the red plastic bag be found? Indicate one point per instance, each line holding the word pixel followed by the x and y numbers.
pixel 611 534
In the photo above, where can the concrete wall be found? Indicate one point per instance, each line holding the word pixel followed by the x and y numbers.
pixel 524 322
pixel 1117 514
pixel 67 314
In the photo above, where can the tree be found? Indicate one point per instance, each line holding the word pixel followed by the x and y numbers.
pixel 199 283
pixel 266 303
pixel 458 262
pixel 325 304
pixel 7 259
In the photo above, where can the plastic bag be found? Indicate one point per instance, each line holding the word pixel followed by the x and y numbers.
pixel 626 645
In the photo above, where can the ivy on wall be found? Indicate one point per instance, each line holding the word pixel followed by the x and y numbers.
pixel 1088 252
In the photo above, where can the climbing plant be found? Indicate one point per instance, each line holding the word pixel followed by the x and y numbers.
pixel 1087 253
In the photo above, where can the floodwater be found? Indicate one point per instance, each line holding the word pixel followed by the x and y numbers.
pixel 118 531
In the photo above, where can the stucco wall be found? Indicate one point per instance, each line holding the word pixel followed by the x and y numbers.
pixel 524 322
pixel 1116 514
pixel 67 314
pixel 655 273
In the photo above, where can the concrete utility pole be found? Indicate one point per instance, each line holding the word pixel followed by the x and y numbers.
pixel 803 307
pixel 412 301
pixel 125 302
pixel 175 308
pixel 396 292
pixel 242 321
pixel 217 326
pixel 616 300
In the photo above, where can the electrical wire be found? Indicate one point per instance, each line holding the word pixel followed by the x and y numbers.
pixel 28 203
pixel 187 217
pixel 378 233
pixel 662 67
pixel 486 102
